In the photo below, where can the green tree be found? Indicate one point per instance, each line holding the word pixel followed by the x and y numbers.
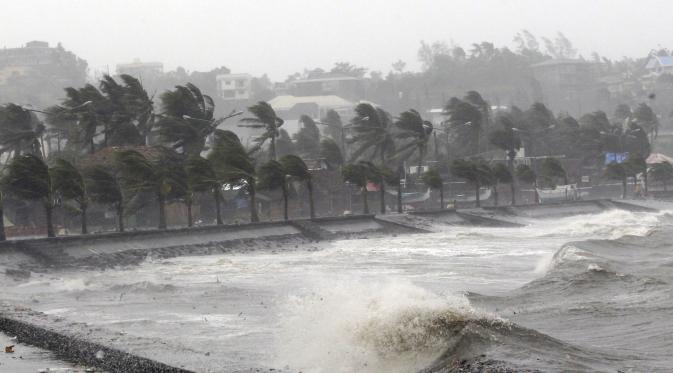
pixel 360 174
pixel 329 150
pixel 475 171
pixel 20 131
pixel 463 123
pixel 28 178
pixel 264 118
pixel 271 175
pixel 233 164
pixel 335 128
pixel 284 144
pixel 647 119
pixel 617 171
pixel 501 175
pixel 416 132
pixel 69 184
pixel 104 186
pixel 635 165
pixel 551 169
pixel 307 139
pixel 662 172
pixel 162 174
pixel 296 169
pixel 187 118
pixel 372 132
pixel 201 177
pixel 508 140
pixel 433 180
pixel 526 175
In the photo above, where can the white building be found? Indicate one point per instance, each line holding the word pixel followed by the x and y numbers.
pixel 141 70
pixel 660 64
pixel 234 86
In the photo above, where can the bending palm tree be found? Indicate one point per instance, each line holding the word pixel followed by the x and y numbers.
pixel 69 184
pixel 187 118
pixel 162 175
pixel 264 118
pixel 105 187
pixel 233 164
pixel 297 169
pixel 20 131
pixel 272 175
pixel 418 131
pixel 28 178
pixel 201 177
pixel 360 174
pixel 433 180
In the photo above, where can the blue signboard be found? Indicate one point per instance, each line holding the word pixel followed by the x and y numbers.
pixel 616 157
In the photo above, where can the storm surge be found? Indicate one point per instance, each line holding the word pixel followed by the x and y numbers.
pixel 581 293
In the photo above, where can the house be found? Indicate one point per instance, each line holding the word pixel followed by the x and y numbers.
pixel 568 85
pixel 141 70
pixel 232 87
pixel 344 86
pixel 660 64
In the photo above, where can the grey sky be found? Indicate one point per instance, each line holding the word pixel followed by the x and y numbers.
pixel 283 36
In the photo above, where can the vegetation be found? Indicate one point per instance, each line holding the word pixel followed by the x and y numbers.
pixel 526 175
pixel 617 171
pixel 433 180
pixel 662 172
pixel 501 175
pixel 476 172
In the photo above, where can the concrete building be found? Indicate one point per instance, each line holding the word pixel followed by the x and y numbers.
pixel 234 86
pixel 141 70
pixel 568 85
pixel 344 86
pixel 291 108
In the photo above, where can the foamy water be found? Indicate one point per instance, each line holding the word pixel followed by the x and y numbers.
pixel 366 305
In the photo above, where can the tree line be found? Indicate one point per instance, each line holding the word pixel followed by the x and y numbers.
pixel 110 146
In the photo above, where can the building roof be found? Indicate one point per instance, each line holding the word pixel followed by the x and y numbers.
pixel 664 61
pixel 228 76
pixel 658 158
pixel 287 102
pixel 326 78
pixel 561 61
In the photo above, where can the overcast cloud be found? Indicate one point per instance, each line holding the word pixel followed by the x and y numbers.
pixel 280 37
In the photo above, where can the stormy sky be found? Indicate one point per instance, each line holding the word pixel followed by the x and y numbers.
pixel 280 37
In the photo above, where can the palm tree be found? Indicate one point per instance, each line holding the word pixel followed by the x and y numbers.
pixel 552 169
pixel 464 123
pixel 372 128
pixel 132 110
pixel 526 175
pixel 265 118
pixel 162 175
pixel 3 236
pixel 297 169
pixel 635 165
pixel 335 128
pixel 475 171
pixel 20 131
pixel 233 164
pixel 187 118
pixel 272 175
pixel 329 150
pixel 418 131
pixel 308 138
pixel 104 186
pixel 501 174
pixel 201 177
pixel 357 174
pixel 433 180
pixel 662 172
pixel 617 171
pixel 28 178
pixel 69 184
pixel 508 140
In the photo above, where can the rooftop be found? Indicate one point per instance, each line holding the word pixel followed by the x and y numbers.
pixel 561 61
pixel 665 61
pixel 287 102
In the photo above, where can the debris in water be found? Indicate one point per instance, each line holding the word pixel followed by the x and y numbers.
pixel 9 349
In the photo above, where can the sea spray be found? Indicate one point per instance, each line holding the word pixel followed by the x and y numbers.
pixel 349 325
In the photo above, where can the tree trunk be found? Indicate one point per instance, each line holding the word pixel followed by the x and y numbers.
pixel 162 211
pixel 399 197
pixel 476 189
pixel 254 218
pixel 537 196
pixel 284 189
pixel 190 219
pixel 217 195
pixel 3 237
pixel 311 207
pixel 646 183
pixel 49 209
pixel 83 207
pixel 365 205
pixel 495 194
pixel 92 148
pixel 382 193
pixel 441 197
pixel 273 146
pixel 624 188
pixel 664 181
pixel 120 216
pixel 513 183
